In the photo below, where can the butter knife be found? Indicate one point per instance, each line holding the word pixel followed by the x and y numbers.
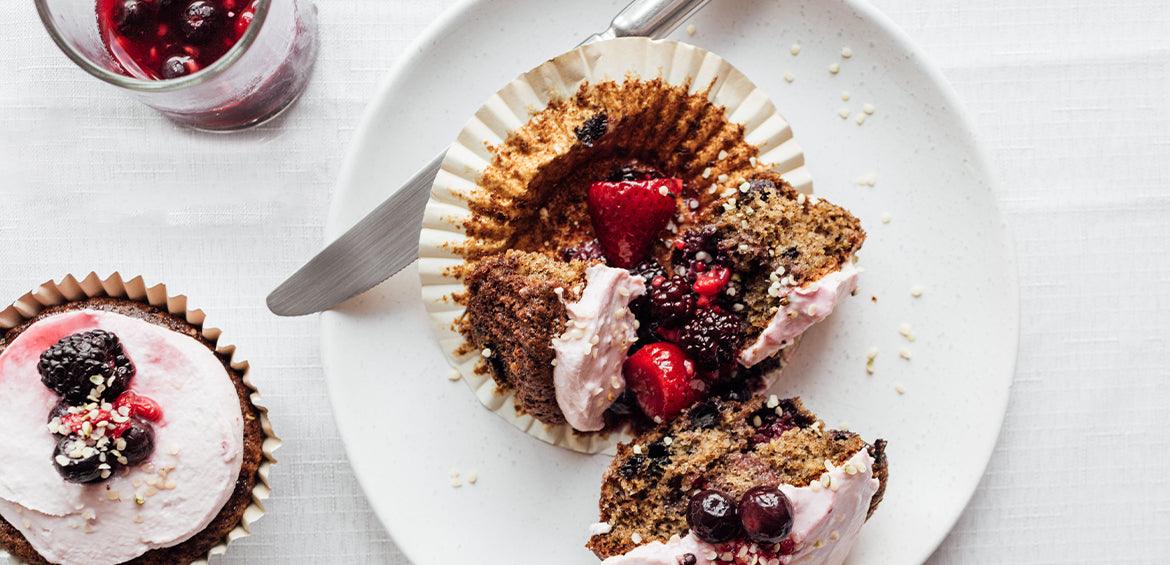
pixel 386 240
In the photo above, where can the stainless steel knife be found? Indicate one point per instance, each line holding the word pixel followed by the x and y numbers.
pixel 386 240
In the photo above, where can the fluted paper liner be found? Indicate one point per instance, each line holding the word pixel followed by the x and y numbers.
pixel 72 289
pixel 677 64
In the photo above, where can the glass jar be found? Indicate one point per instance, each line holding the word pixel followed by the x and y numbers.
pixel 259 76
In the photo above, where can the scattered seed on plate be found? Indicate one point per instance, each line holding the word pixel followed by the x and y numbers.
pixel 454 376
pixel 906 332
pixel 870 356
pixel 845 95
pixel 846 53
pixel 795 49
pixel 844 113
pixel 860 119
pixel 691 29
pixel 886 217
pixel 916 291
pixel 834 68
pixel 868 179
pixel 899 389
pixel 868 108
pixel 472 477
pixel 904 353
pixel 788 77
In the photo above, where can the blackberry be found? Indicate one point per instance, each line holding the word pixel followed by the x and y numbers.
pixel 70 365
pixel 672 302
pixel 199 20
pixel 711 338
pixel 587 251
pixel 648 270
pixel 589 132
pixel 698 245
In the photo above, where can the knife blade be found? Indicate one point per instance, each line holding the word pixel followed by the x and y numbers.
pixel 386 240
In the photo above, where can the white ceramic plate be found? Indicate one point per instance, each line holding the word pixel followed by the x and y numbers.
pixel 406 426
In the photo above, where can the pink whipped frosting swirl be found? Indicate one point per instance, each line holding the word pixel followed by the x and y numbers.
pixel 183 485
pixel 807 305
pixel 827 518
pixel 590 353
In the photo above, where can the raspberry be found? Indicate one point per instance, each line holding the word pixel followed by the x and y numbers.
pixel 85 363
pixel 140 406
pixel 671 302
pixel 711 338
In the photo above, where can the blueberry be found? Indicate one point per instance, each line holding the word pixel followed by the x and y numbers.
pixel 77 462
pixel 712 516
pixel 592 129
pixel 176 66
pixel 70 366
pixel 199 20
pixel 766 514
pixel 133 17
pixel 139 438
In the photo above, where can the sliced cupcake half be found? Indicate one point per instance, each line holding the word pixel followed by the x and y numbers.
pixel 756 481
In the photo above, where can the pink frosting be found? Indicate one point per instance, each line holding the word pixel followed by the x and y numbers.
pixel 827 518
pixel 589 355
pixel 200 441
pixel 807 305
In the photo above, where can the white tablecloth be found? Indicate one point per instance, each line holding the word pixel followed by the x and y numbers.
pixel 1070 95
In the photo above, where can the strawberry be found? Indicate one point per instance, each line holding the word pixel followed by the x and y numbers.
pixel 661 376
pixel 139 405
pixel 629 215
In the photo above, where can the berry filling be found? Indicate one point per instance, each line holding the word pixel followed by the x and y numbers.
pixel 98 437
pixel 165 39
pixel 663 380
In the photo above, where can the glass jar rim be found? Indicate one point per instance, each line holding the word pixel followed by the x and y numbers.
pixel 151 85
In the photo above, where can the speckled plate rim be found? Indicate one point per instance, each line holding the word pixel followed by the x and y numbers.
pixel 675 62
pixel 73 289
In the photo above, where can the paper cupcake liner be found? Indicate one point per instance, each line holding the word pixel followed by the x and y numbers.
pixel 72 289
pixel 510 108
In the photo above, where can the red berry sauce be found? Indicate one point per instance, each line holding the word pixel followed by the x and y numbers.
pixel 166 39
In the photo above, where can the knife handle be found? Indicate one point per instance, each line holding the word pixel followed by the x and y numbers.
pixel 650 18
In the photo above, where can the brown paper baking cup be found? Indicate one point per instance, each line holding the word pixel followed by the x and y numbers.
pixel 675 63
pixel 73 289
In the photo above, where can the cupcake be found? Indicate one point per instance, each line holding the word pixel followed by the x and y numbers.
pixel 131 438
pixel 635 245
pixel 739 482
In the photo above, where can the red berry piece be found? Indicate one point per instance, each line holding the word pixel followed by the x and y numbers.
pixel 660 375
pixel 711 282
pixel 766 514
pixel 140 406
pixel 628 216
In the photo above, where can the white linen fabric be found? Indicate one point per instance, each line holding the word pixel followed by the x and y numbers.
pixel 1070 97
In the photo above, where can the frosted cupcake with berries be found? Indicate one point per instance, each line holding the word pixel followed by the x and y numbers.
pixel 129 437
pixel 638 237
